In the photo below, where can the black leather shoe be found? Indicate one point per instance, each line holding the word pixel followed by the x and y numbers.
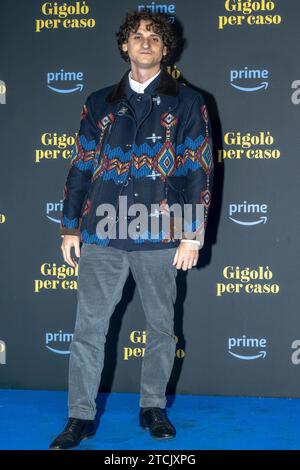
pixel 156 421
pixel 75 431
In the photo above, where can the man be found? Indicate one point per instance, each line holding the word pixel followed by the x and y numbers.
pixel 147 139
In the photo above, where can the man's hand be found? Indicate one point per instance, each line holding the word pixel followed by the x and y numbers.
pixel 68 242
pixel 186 256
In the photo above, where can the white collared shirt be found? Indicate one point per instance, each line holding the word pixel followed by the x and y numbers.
pixel 140 87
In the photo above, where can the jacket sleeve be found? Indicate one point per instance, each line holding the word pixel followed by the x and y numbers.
pixel 197 158
pixel 80 172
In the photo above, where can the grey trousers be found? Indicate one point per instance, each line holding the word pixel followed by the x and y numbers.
pixel 102 273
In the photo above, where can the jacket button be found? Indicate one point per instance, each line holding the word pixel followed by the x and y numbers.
pixel 136 194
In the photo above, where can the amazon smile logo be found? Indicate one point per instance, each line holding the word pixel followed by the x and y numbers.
pixel 65 82
pixel 238 211
pixel 53 211
pixel 249 80
pixel 58 343
pixel 247 349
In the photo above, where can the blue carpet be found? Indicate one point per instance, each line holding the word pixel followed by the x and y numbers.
pixel 31 420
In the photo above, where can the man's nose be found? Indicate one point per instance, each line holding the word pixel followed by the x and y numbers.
pixel 145 44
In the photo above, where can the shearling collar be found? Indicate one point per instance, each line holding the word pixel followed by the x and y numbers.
pixel 166 85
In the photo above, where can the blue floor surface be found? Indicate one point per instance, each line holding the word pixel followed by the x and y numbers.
pixel 31 420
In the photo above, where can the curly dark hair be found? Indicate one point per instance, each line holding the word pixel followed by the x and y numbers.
pixel 160 25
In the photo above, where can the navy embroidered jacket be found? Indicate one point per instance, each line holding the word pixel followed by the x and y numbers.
pixel 168 156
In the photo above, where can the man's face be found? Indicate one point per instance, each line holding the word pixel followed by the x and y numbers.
pixel 145 48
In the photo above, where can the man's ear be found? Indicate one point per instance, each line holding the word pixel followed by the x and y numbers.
pixel 125 47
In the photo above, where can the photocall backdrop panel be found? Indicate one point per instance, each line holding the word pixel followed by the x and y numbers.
pixel 237 314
